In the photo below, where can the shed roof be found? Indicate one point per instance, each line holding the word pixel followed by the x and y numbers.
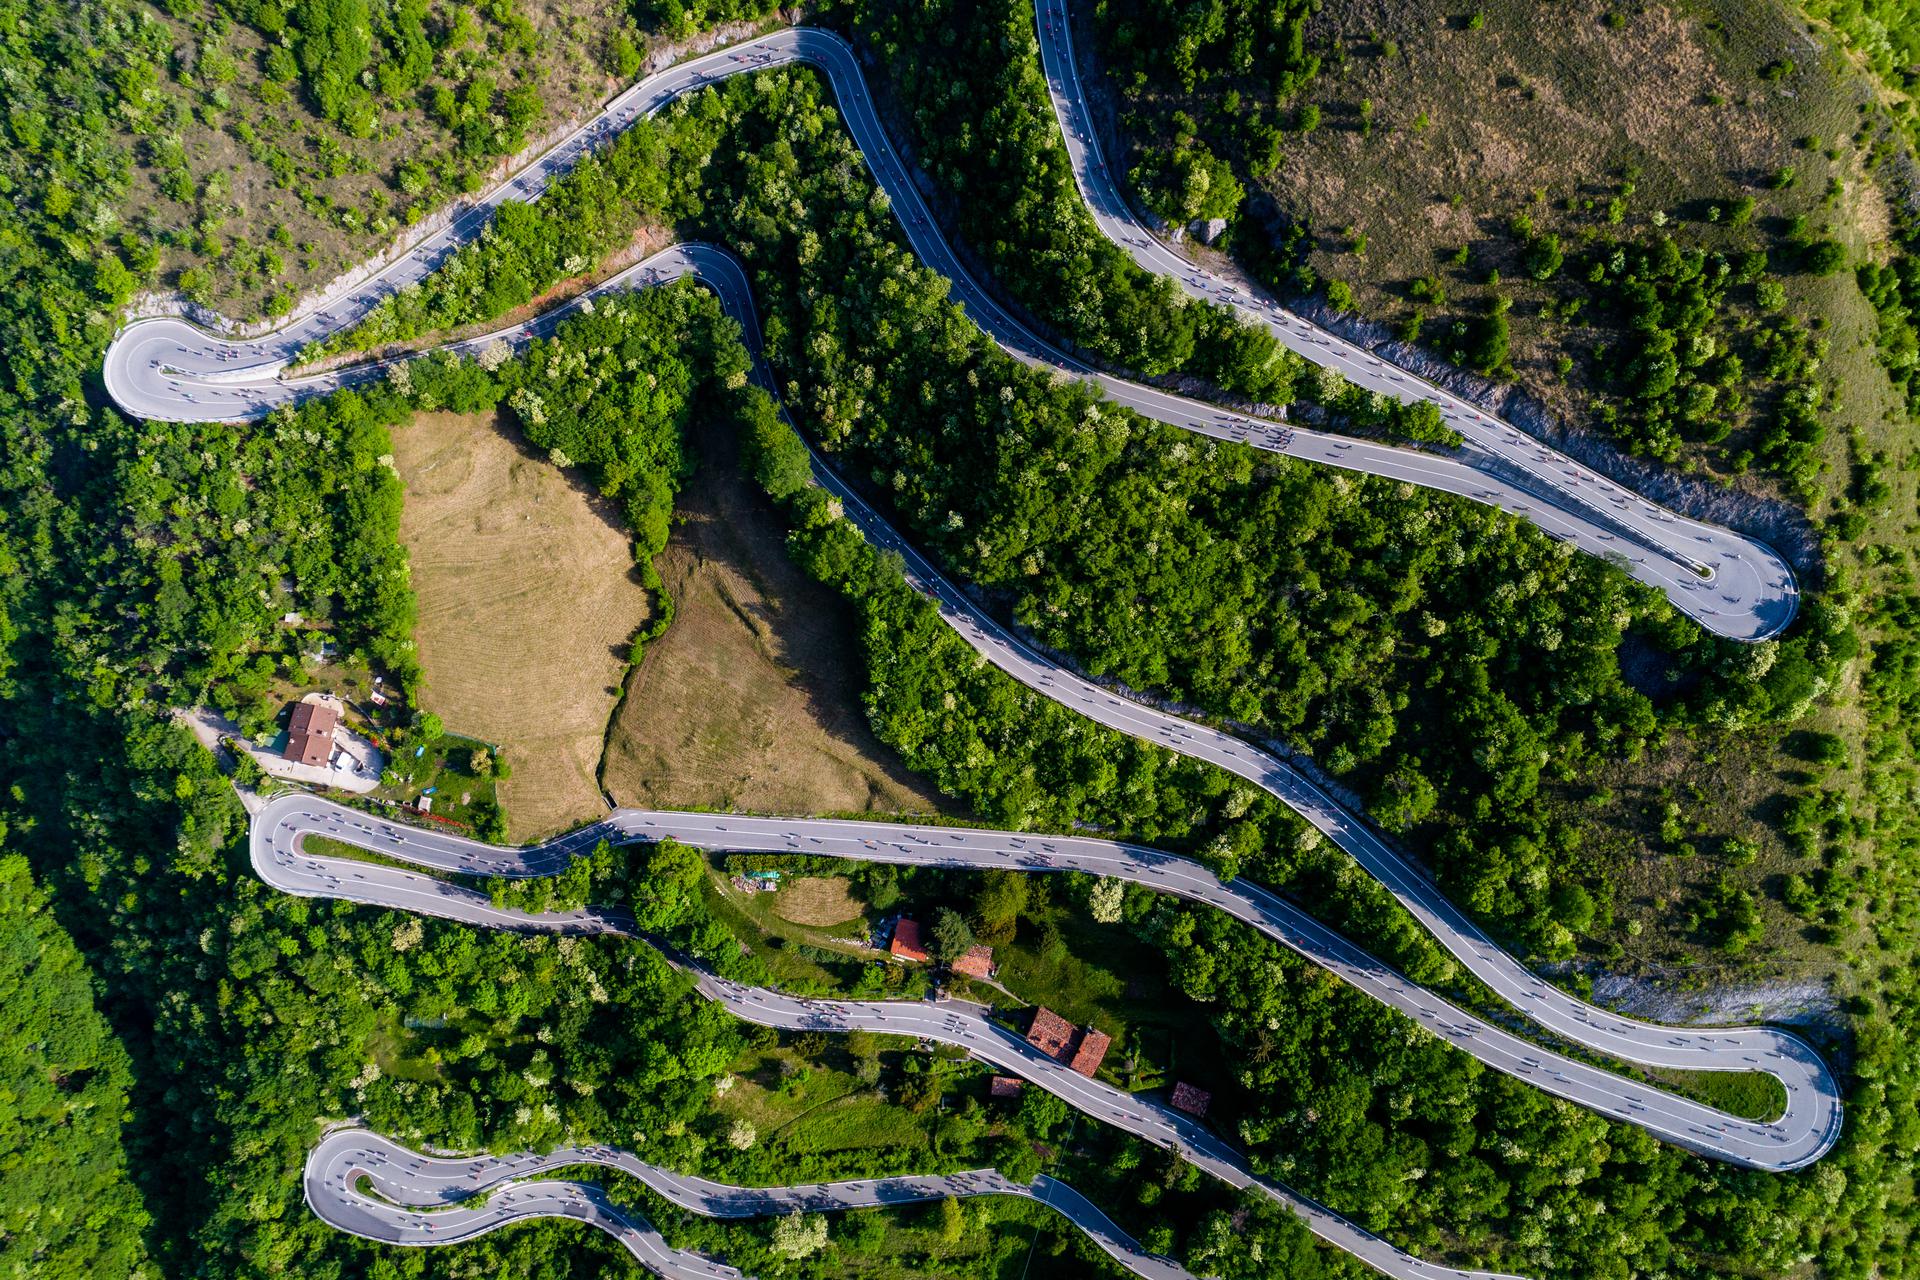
pixel 977 963
pixel 1191 1100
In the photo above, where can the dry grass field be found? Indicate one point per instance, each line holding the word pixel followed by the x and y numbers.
pixel 528 597
pixel 816 900
pixel 751 701
pixel 1469 124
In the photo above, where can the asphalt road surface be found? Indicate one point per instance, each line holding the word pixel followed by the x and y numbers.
pixel 1732 585
pixel 280 861
pixel 169 369
pixel 1749 592
pixel 1800 1136
pixel 1807 1130
pixel 370 1186
pixel 1812 1122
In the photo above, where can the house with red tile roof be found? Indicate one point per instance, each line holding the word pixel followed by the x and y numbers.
pixel 1050 1033
pixel 1088 1053
pixel 909 942
pixel 310 733
pixel 1060 1040
pixel 977 963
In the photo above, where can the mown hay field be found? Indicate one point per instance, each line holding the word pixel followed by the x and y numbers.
pixel 528 597
pixel 817 900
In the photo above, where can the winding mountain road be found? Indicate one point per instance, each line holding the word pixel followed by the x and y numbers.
pixel 1807 1131
pixel 1732 585
pixel 167 368
pixel 280 860
pixel 371 1186
pixel 1808 1128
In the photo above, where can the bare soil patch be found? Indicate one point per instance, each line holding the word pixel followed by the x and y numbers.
pixel 528 597
pixel 752 700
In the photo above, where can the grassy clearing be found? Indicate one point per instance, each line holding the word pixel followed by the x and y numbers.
pixel 1741 1093
pixel 788 969
pixel 401 1052
pixel 766 913
pixel 1722 790
pixel 852 1124
pixel 443 774
pixel 528 597
pixel 770 1090
pixel 752 700
pixel 1104 975
pixel 328 847
pixel 811 958
pixel 810 1102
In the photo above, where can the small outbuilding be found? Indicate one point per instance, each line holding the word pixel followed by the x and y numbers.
pixel 1005 1087
pixel 1191 1100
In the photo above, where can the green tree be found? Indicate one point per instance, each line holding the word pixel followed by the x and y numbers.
pixel 67 1210
pixel 998 903
pixel 952 935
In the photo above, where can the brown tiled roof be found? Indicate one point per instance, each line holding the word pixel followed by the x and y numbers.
pixel 310 733
pixel 1191 1100
pixel 1050 1033
pixel 907 941
pixel 1092 1048
pixel 977 963
pixel 1005 1087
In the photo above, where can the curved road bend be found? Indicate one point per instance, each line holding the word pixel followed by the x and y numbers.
pixel 1750 592
pixel 419 1199
pixel 1807 1131
pixel 168 368
pixel 1804 1133
pixel 279 860
pixel 1813 1119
